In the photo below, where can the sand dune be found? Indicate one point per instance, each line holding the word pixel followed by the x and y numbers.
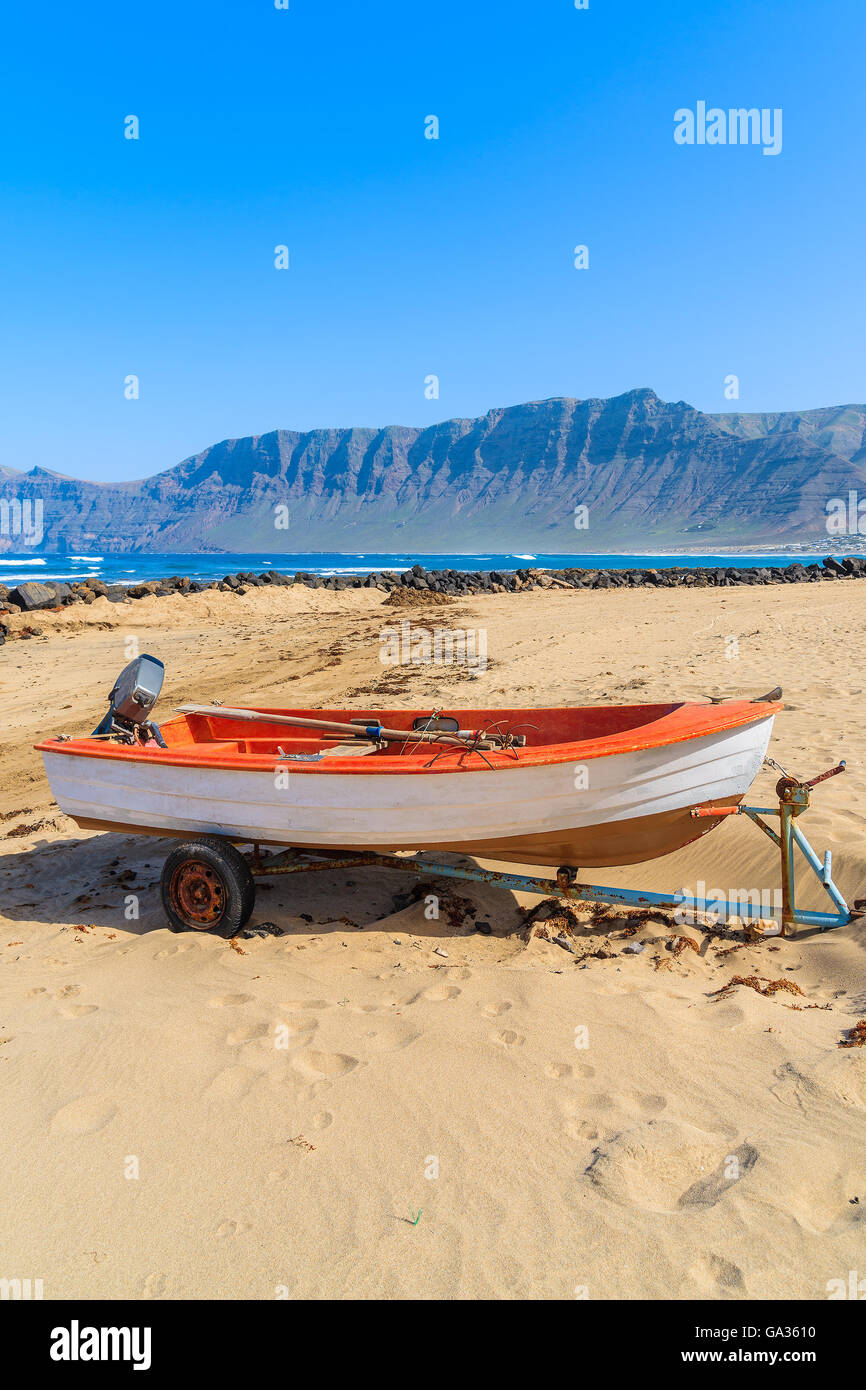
pixel 291 1103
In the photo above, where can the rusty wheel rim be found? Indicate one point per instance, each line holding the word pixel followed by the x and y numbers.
pixel 197 894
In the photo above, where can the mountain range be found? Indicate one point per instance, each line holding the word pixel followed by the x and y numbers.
pixel 647 472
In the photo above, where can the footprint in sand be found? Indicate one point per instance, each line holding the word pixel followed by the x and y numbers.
pixel 600 1101
pixel 228 1001
pixel 390 1038
pixel 304 1004
pixel 493 1010
pixel 458 972
pixel 77 1010
pixel 233 1228
pixel 84 1116
pixel 719 1276
pixel 437 993
pixel 323 1119
pixel 246 1033
pixel 557 1071
pixel 648 1166
pixel 32 993
pixel 508 1038
pixel 652 1105
pixel 155 1286
pixel 67 992
pixel 707 1191
pixel 727 1014
pixel 290 1033
pixel 315 1065
pixel 232 1083
pixel 588 1130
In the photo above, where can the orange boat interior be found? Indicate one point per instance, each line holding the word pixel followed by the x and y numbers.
pixel 542 728
pixel 552 735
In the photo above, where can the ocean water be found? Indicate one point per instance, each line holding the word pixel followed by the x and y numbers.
pixel 136 568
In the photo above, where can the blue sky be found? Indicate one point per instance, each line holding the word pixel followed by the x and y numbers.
pixel 411 257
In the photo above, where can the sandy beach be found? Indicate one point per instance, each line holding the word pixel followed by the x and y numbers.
pixel 157 1143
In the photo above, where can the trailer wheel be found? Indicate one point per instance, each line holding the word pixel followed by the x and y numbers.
pixel 249 884
pixel 207 886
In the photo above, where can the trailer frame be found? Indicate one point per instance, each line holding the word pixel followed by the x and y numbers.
pixel 794 799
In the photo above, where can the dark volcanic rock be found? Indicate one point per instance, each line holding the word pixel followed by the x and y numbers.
pixel 833 565
pixel 62 592
pixel 32 596
pixel 421 583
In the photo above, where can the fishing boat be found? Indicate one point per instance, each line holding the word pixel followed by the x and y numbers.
pixel 588 785
pixel 576 786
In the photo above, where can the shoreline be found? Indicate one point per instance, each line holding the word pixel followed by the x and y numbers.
pixel 206 566
pixel 33 596
pixel 813 546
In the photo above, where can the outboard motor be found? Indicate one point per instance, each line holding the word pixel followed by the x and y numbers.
pixel 135 693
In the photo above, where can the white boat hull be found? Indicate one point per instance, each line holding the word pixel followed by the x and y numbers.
pixel 615 809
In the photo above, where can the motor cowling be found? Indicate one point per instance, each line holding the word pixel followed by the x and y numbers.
pixel 132 698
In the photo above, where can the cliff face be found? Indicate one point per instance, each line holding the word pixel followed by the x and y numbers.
pixel 838 429
pixel 647 471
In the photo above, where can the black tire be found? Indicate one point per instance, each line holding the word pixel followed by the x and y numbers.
pixel 207 886
pixel 226 848
pixel 249 884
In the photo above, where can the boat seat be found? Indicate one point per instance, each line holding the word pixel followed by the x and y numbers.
pixel 352 749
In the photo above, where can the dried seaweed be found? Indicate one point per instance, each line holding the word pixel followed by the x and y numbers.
pixel 19 830
pixel 454 907
pixel 856 1036
pixel 759 984
pixel 301 1143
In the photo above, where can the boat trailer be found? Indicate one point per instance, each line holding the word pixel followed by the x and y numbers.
pixel 207 882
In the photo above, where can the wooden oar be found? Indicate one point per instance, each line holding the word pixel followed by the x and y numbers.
pixel 372 730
